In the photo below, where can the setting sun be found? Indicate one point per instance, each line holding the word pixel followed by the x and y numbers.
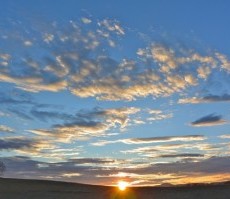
pixel 122 185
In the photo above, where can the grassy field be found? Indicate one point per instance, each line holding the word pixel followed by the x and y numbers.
pixel 35 189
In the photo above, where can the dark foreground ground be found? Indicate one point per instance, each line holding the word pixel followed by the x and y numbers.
pixel 34 189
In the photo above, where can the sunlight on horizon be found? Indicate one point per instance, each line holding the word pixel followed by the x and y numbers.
pixel 122 185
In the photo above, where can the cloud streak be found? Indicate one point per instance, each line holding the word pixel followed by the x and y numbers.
pixel 210 169
pixel 85 123
pixel 152 140
pixel 205 99
pixel 15 143
pixel 209 120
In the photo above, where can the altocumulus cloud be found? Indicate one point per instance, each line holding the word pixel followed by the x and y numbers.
pixel 74 61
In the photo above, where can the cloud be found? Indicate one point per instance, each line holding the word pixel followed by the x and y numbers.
pixel 200 166
pixel 18 98
pixel 83 170
pixel 28 43
pixel 158 115
pixel 47 37
pixel 30 147
pixel 227 136
pixel 169 59
pixel 4 114
pixel 112 26
pixel 15 143
pixel 209 120
pixel 163 139
pixel 85 123
pixel 86 20
pixel 21 104
pixel 205 99
pixel 204 170
pixel 34 83
pixel 70 175
pixel 225 63
pixel 96 161
pixel 6 129
pixel 49 115
pixel 151 140
pixel 4 59
pixel 182 155
pixel 75 61
pixel 179 150
pixel 5 56
pixel 20 113
pixel 149 150
pixel 203 72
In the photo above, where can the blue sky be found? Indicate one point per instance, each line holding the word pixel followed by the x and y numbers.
pixel 108 91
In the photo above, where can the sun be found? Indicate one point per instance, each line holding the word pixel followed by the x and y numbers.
pixel 122 185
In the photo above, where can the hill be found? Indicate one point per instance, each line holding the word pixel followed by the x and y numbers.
pixel 40 189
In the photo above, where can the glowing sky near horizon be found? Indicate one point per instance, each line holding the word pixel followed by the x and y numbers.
pixel 110 91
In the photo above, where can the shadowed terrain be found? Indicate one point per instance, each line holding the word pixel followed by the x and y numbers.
pixel 37 189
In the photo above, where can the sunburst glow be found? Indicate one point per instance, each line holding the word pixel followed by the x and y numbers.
pixel 122 185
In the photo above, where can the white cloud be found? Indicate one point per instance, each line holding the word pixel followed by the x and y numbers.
pixel 151 140
pixel 225 63
pixel 203 72
pixel 6 129
pixel 158 115
pixel 112 26
pixel 86 20
pixel 87 124
pixel 47 37
pixel 28 43
pixel 74 59
pixel 227 136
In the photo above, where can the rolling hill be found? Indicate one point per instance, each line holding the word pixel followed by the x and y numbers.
pixel 42 189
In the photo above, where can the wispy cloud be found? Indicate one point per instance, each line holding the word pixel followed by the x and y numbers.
pixel 183 150
pixel 209 120
pixel 112 26
pixel 205 99
pixel 30 147
pixel 85 123
pixel 181 155
pixel 15 143
pixel 158 115
pixel 6 129
pixel 151 140
pixel 97 161
pixel 20 113
pixel 6 98
pixel 227 136
pixel 45 115
pixel 178 172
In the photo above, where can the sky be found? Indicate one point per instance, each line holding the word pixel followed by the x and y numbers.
pixel 100 92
